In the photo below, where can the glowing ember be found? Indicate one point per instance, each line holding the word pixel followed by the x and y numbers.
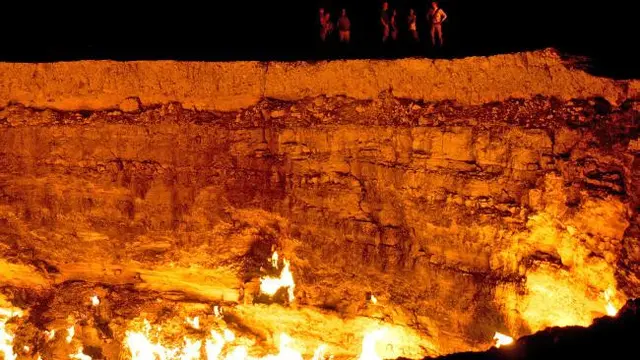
pixel 6 337
pixel 270 285
pixel 95 301
pixel 369 345
pixel 373 299
pixel 71 331
pixel 502 339
pixel 611 309
pixel 26 348
pixel 79 355
pixel 193 322
pixel 274 260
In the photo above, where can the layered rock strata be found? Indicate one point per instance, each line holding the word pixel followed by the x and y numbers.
pixel 468 196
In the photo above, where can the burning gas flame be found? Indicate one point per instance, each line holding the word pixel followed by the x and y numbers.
pixel 320 353
pixel 502 339
pixel 79 355
pixel 228 335
pixel 6 337
pixel 270 285
pixel 369 345
pixel 611 309
pixel 217 311
pixel 214 345
pixel 239 353
pixel 373 299
pixel 50 334
pixel 95 301
pixel 286 351
pixel 71 331
pixel 142 347
pixel 193 322
pixel 191 350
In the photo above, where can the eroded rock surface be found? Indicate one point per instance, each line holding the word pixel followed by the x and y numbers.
pixel 461 217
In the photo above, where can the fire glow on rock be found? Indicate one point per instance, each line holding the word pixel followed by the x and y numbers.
pixel 216 341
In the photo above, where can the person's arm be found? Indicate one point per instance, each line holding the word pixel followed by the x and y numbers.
pixel 384 23
pixel 444 15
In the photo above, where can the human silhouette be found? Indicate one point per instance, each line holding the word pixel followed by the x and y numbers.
pixel 384 21
pixel 436 16
pixel 344 27
pixel 394 25
pixel 412 22
pixel 322 27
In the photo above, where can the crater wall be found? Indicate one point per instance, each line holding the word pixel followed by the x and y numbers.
pixel 469 196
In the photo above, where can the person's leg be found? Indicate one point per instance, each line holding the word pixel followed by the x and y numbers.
pixel 433 35
pixel 347 36
pixel 341 36
pixel 440 35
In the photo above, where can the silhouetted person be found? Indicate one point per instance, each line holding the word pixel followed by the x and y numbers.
pixel 384 21
pixel 328 25
pixel 394 26
pixel 436 16
pixel 322 27
pixel 344 27
pixel 412 21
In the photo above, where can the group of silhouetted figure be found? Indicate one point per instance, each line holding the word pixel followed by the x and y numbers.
pixel 389 28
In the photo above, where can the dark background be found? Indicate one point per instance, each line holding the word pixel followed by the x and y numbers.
pixel 606 32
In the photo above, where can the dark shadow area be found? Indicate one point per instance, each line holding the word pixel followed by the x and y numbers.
pixel 288 30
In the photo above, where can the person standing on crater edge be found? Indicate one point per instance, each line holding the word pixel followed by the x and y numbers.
pixel 394 25
pixel 322 27
pixel 328 25
pixel 344 27
pixel 384 21
pixel 412 21
pixel 436 16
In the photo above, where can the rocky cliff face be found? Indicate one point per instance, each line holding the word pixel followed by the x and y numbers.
pixel 468 196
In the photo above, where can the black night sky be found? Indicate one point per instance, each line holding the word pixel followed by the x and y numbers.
pixel 286 30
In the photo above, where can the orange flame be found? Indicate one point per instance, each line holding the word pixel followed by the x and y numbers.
pixel 320 353
pixel 269 285
pixel 369 345
pixel 502 339
pixel 611 309
pixel 95 301
pixel 71 331
pixel 193 322
pixel 6 337
pixel 50 334
pixel 79 355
